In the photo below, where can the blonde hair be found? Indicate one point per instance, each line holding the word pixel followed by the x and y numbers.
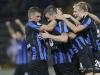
pixel 82 5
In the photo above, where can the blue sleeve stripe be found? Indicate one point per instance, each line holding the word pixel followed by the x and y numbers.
pixel 45 56
pixel 69 58
pixel 88 23
pixel 71 52
pixel 33 26
pixel 82 40
pixel 61 57
pixel 74 49
pixel 79 45
pixel 55 58
pixel 88 39
pixel 65 28
pixel 60 27
pixel 33 53
pixel 40 50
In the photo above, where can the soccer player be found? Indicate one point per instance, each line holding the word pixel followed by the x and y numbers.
pixel 58 42
pixel 86 23
pixel 95 41
pixel 38 65
pixel 91 35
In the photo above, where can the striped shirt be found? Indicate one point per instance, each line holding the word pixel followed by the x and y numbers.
pixel 79 43
pixel 83 38
pixel 38 45
pixel 60 55
pixel 76 44
pixel 22 57
pixel 90 33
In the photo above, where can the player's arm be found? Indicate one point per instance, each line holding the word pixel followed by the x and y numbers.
pixel 71 35
pixel 49 27
pixel 94 17
pixel 59 12
pixel 73 27
pixel 11 30
pixel 20 24
pixel 59 38
pixel 72 18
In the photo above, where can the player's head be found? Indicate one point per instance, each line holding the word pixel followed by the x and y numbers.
pixel 50 12
pixel 79 8
pixel 85 6
pixel 34 14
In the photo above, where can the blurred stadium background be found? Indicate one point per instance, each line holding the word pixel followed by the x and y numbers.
pixel 12 9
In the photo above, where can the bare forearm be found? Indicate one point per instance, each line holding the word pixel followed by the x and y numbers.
pixel 75 21
pixel 10 29
pixel 49 27
pixel 71 35
pixel 74 28
pixel 22 27
pixel 59 38
pixel 12 32
pixel 95 18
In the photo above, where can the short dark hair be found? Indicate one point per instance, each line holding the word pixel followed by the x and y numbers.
pixel 32 10
pixel 50 10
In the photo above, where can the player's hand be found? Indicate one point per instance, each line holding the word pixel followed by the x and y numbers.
pixel 59 11
pixel 60 15
pixel 45 35
pixel 7 23
pixel 72 35
pixel 17 21
pixel 66 15
pixel 42 28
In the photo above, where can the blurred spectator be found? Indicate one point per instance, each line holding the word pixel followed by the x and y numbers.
pixel 18 49
pixel 13 48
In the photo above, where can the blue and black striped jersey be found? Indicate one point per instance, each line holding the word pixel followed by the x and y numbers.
pixel 90 33
pixel 38 45
pixel 61 55
pixel 22 55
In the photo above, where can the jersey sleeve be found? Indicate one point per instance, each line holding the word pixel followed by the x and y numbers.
pixel 33 26
pixel 63 27
pixel 87 23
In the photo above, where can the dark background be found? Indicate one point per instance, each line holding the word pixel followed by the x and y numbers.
pixel 18 8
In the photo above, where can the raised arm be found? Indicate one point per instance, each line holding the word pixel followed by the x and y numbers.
pixel 11 30
pixel 20 24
